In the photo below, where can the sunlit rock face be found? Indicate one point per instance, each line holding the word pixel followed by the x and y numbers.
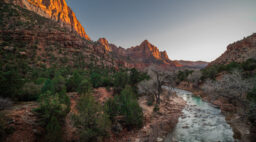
pixel 57 10
pixel 105 43
pixel 146 52
pixel 140 56
pixel 239 51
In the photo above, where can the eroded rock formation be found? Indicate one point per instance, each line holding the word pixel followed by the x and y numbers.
pixel 57 10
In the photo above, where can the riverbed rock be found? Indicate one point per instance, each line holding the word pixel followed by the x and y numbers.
pixel 159 139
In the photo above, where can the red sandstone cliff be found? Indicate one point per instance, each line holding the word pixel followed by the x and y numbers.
pixel 139 56
pixel 57 10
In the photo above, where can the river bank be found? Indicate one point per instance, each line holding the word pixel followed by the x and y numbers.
pixel 234 114
pixel 157 124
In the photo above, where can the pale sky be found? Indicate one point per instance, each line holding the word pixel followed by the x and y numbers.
pixel 186 29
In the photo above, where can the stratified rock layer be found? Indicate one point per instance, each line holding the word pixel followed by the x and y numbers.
pixel 57 10
pixel 140 56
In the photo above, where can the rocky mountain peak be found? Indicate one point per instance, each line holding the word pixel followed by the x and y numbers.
pixel 148 49
pixel 164 55
pixel 105 43
pixel 57 10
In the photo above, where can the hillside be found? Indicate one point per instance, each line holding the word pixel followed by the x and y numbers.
pixel 239 51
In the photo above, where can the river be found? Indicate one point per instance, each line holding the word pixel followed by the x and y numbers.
pixel 200 122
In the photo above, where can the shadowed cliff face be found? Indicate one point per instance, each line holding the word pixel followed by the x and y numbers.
pixel 239 51
pixel 57 10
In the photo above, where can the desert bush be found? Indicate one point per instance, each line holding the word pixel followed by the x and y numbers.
pixel 53 131
pixel 232 85
pixel 136 77
pixel 195 77
pixel 5 103
pixel 121 79
pixel 130 108
pixel 249 65
pixel 96 79
pixel 30 91
pixel 57 105
pixel 40 81
pixel 125 105
pixel 52 110
pixel 111 107
pixel 59 83
pixel 73 82
pixel 48 86
pixel 10 83
pixel 210 72
pixel 85 87
pixel 182 75
pixel 92 123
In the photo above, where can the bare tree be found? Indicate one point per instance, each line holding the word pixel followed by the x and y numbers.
pixel 154 86
pixel 195 77
pixel 230 85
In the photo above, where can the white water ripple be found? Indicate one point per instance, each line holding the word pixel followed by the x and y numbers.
pixel 200 122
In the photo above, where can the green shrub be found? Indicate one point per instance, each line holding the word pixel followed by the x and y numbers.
pixel 52 111
pixel 10 83
pixel 125 105
pixel 48 86
pixel 59 83
pixel 57 105
pixel 249 65
pixel 91 122
pixel 74 82
pixel 212 71
pixel 111 107
pixel 85 87
pixel 121 79
pixel 136 77
pixel 30 92
pixel 40 81
pixel 53 131
pixel 130 108
pixel 183 75
pixel 209 72
pixel 96 79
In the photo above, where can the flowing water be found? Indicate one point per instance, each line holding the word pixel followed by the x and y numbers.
pixel 200 122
